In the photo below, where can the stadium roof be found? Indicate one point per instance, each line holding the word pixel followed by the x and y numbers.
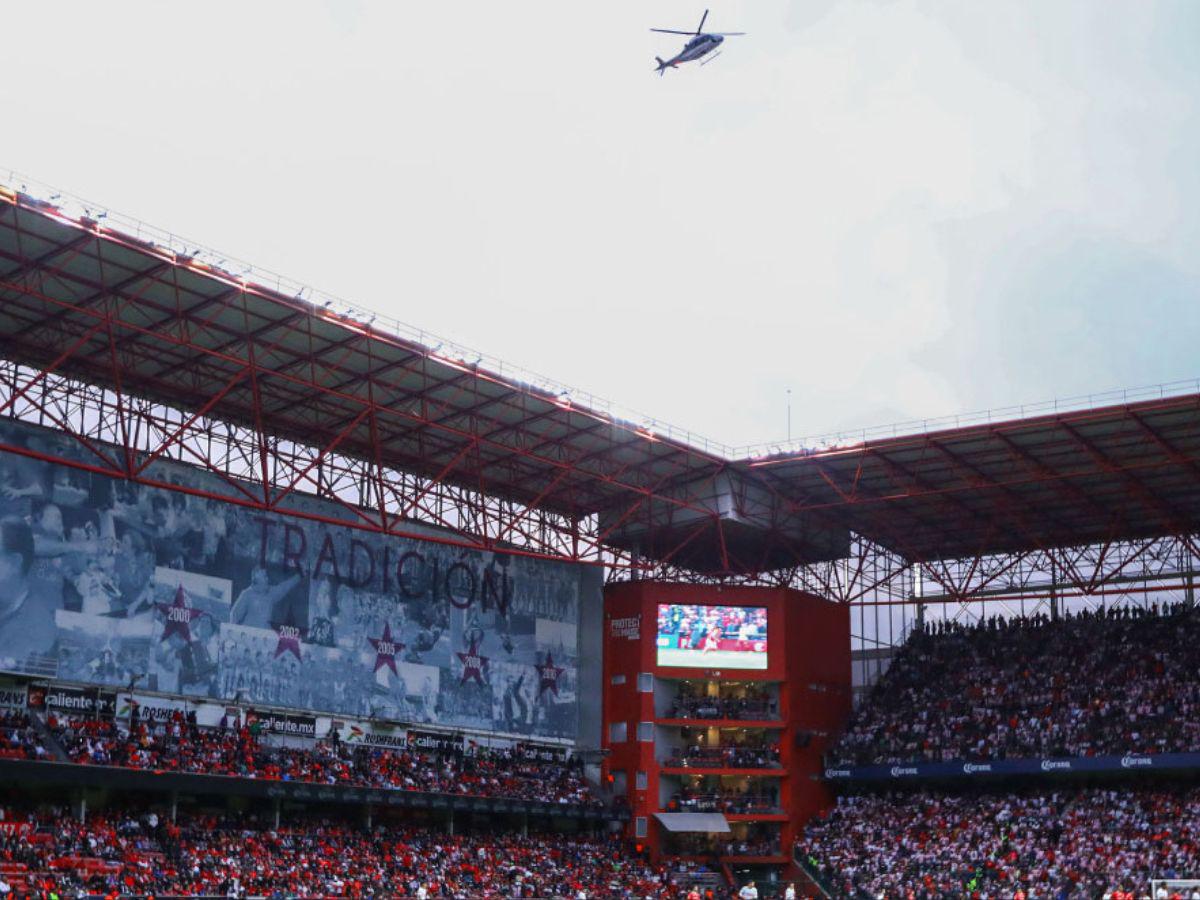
pixel 188 333
pixel 1079 477
pixel 120 305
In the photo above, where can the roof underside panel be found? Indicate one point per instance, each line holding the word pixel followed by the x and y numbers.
pixel 120 313
pixel 106 308
pixel 1082 477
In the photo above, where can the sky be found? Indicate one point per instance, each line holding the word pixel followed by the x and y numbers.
pixel 891 209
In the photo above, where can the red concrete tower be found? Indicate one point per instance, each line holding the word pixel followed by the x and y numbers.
pixel 734 731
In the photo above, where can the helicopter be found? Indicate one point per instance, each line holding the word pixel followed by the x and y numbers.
pixel 701 44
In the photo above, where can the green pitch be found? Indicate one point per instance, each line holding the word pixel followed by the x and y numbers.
pixel 714 659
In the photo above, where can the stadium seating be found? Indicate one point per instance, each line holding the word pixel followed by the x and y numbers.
pixel 176 746
pixel 18 738
pixel 126 853
pixel 1114 682
pixel 1120 681
pixel 1035 843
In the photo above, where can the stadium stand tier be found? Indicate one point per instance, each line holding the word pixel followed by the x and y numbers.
pixel 1035 843
pixel 126 851
pixel 1101 683
pixel 175 746
pixel 1121 681
pixel 179 747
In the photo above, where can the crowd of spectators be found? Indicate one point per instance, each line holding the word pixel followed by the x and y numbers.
pixel 123 854
pixel 18 738
pixel 180 746
pixel 746 702
pixel 1051 844
pixel 1110 682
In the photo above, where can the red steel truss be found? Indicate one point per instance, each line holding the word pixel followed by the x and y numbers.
pixel 142 352
pixel 127 344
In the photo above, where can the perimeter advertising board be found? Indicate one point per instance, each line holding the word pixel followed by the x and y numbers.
pixel 103 579
pixel 12 694
pixel 1008 768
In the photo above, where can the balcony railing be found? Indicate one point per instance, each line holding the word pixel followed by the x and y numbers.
pixel 725 849
pixel 723 708
pixel 739 804
pixel 727 758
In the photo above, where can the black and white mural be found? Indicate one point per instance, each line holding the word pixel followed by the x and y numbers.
pixel 104 580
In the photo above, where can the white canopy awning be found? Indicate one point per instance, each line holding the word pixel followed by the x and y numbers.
pixel 708 823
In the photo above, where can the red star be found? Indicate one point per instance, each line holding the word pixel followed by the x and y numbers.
pixel 178 616
pixel 473 663
pixel 548 674
pixel 290 636
pixel 386 649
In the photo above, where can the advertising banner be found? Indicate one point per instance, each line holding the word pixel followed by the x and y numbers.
pixel 541 753
pixel 155 709
pixel 628 627
pixel 162 709
pixel 72 700
pixel 277 723
pixel 433 740
pixel 12 695
pixel 963 769
pixel 371 735
pixel 107 580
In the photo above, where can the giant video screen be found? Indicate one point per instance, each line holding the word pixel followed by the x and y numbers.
pixel 712 637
